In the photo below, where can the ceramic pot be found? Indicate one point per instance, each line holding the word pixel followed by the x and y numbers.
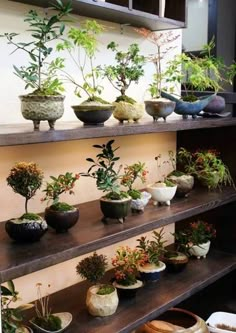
pixel 38 108
pixel 66 319
pixel 101 305
pixel 23 230
pixel 159 108
pixel 175 321
pixel 115 209
pixel 61 221
pixel 138 205
pixel 175 261
pixel 201 250
pixel 162 195
pixel 128 112
pixel 184 184
pixel 151 272
pixel 216 105
pixel 125 292
pixel 93 114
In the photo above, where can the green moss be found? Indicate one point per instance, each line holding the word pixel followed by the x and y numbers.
pixel 62 207
pixel 117 196
pixel 105 290
pixel 135 194
pixel 169 183
pixel 190 98
pixel 97 99
pixel 44 92
pixel 176 173
pixel 124 98
pixel 30 216
pixel 50 323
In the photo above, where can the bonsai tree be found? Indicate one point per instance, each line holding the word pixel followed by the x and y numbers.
pixel 131 174
pixel 12 316
pixel 25 179
pixel 128 69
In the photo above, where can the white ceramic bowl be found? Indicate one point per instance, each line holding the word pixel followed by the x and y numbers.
pixel 225 318
pixel 162 194
pixel 65 317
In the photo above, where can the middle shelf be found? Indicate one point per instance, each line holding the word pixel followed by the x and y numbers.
pixel 90 234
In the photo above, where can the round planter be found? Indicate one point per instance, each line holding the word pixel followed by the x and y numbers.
pixel 162 195
pixel 66 319
pixel 184 184
pixel 93 114
pixel 159 108
pixel 61 221
pixel 177 321
pixel 216 105
pixel 128 112
pixel 138 205
pixel 201 250
pixel 151 272
pixel 125 292
pixel 101 305
pixel 26 230
pixel 38 108
pixel 175 261
pixel 115 209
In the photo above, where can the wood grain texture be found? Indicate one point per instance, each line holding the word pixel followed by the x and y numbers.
pixel 150 301
pixel 22 134
pixel 90 233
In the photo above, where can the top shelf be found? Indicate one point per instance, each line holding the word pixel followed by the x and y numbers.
pixel 134 13
pixel 22 134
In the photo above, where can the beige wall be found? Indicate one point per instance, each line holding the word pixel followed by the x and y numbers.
pixel 55 158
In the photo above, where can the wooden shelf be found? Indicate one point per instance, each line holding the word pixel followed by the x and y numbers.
pixel 115 13
pixel 90 234
pixel 22 134
pixel 151 301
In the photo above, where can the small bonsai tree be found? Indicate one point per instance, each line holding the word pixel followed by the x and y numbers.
pixel 61 184
pixel 81 45
pixel 40 74
pixel 44 318
pixel 164 181
pixel 103 170
pixel 131 173
pixel 25 179
pixel 129 68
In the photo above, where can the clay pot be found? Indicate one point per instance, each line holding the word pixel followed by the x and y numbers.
pixel 115 209
pixel 201 250
pixel 61 221
pixel 92 113
pixel 175 261
pixel 151 272
pixel 161 194
pixel 184 184
pixel 125 292
pixel 159 108
pixel 128 112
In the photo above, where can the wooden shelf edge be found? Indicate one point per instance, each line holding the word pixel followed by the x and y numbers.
pixel 22 134
pixel 90 234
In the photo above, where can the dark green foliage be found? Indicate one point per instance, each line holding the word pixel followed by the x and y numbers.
pixel 50 323
pixel 92 268
pixel 96 99
pixel 105 290
pixel 169 183
pixel 61 207
pixel 134 194
pixel 190 98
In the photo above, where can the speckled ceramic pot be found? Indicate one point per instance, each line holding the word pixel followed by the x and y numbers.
pixel 184 184
pixel 61 221
pixel 128 112
pixel 38 108
pixel 159 108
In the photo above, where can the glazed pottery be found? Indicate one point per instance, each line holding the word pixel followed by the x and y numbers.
pixel 219 318
pixel 184 184
pixel 138 205
pixel 216 105
pixel 175 261
pixel 151 272
pixel 175 321
pixel 159 108
pixel 65 317
pixel 128 112
pixel 101 305
pixel 161 194
pixel 93 114
pixel 24 230
pixel 201 250
pixel 39 108
pixel 127 291
pixel 61 221
pixel 115 209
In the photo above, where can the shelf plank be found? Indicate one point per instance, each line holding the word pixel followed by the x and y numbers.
pixel 115 13
pixel 150 301
pixel 90 233
pixel 22 134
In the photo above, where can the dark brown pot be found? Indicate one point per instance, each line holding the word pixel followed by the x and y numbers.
pixel 115 209
pixel 61 221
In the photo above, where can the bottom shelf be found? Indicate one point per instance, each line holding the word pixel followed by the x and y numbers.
pixel 150 301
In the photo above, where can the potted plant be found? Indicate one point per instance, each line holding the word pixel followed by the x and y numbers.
pixel 46 101
pixel 60 215
pixel 162 191
pixel 116 203
pixel 131 174
pixel 158 107
pixel 25 179
pixel 175 261
pixel 81 44
pixel 207 167
pixel 128 69
pixel 12 316
pixel 152 252
pixel 125 263
pixel 46 322
pixel 102 299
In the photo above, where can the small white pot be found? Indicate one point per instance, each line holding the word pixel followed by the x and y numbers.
pixel 101 305
pixel 200 250
pixel 161 195
pixel 139 204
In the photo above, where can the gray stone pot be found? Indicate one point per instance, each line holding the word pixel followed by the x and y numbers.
pixel 159 108
pixel 184 184
pixel 37 108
